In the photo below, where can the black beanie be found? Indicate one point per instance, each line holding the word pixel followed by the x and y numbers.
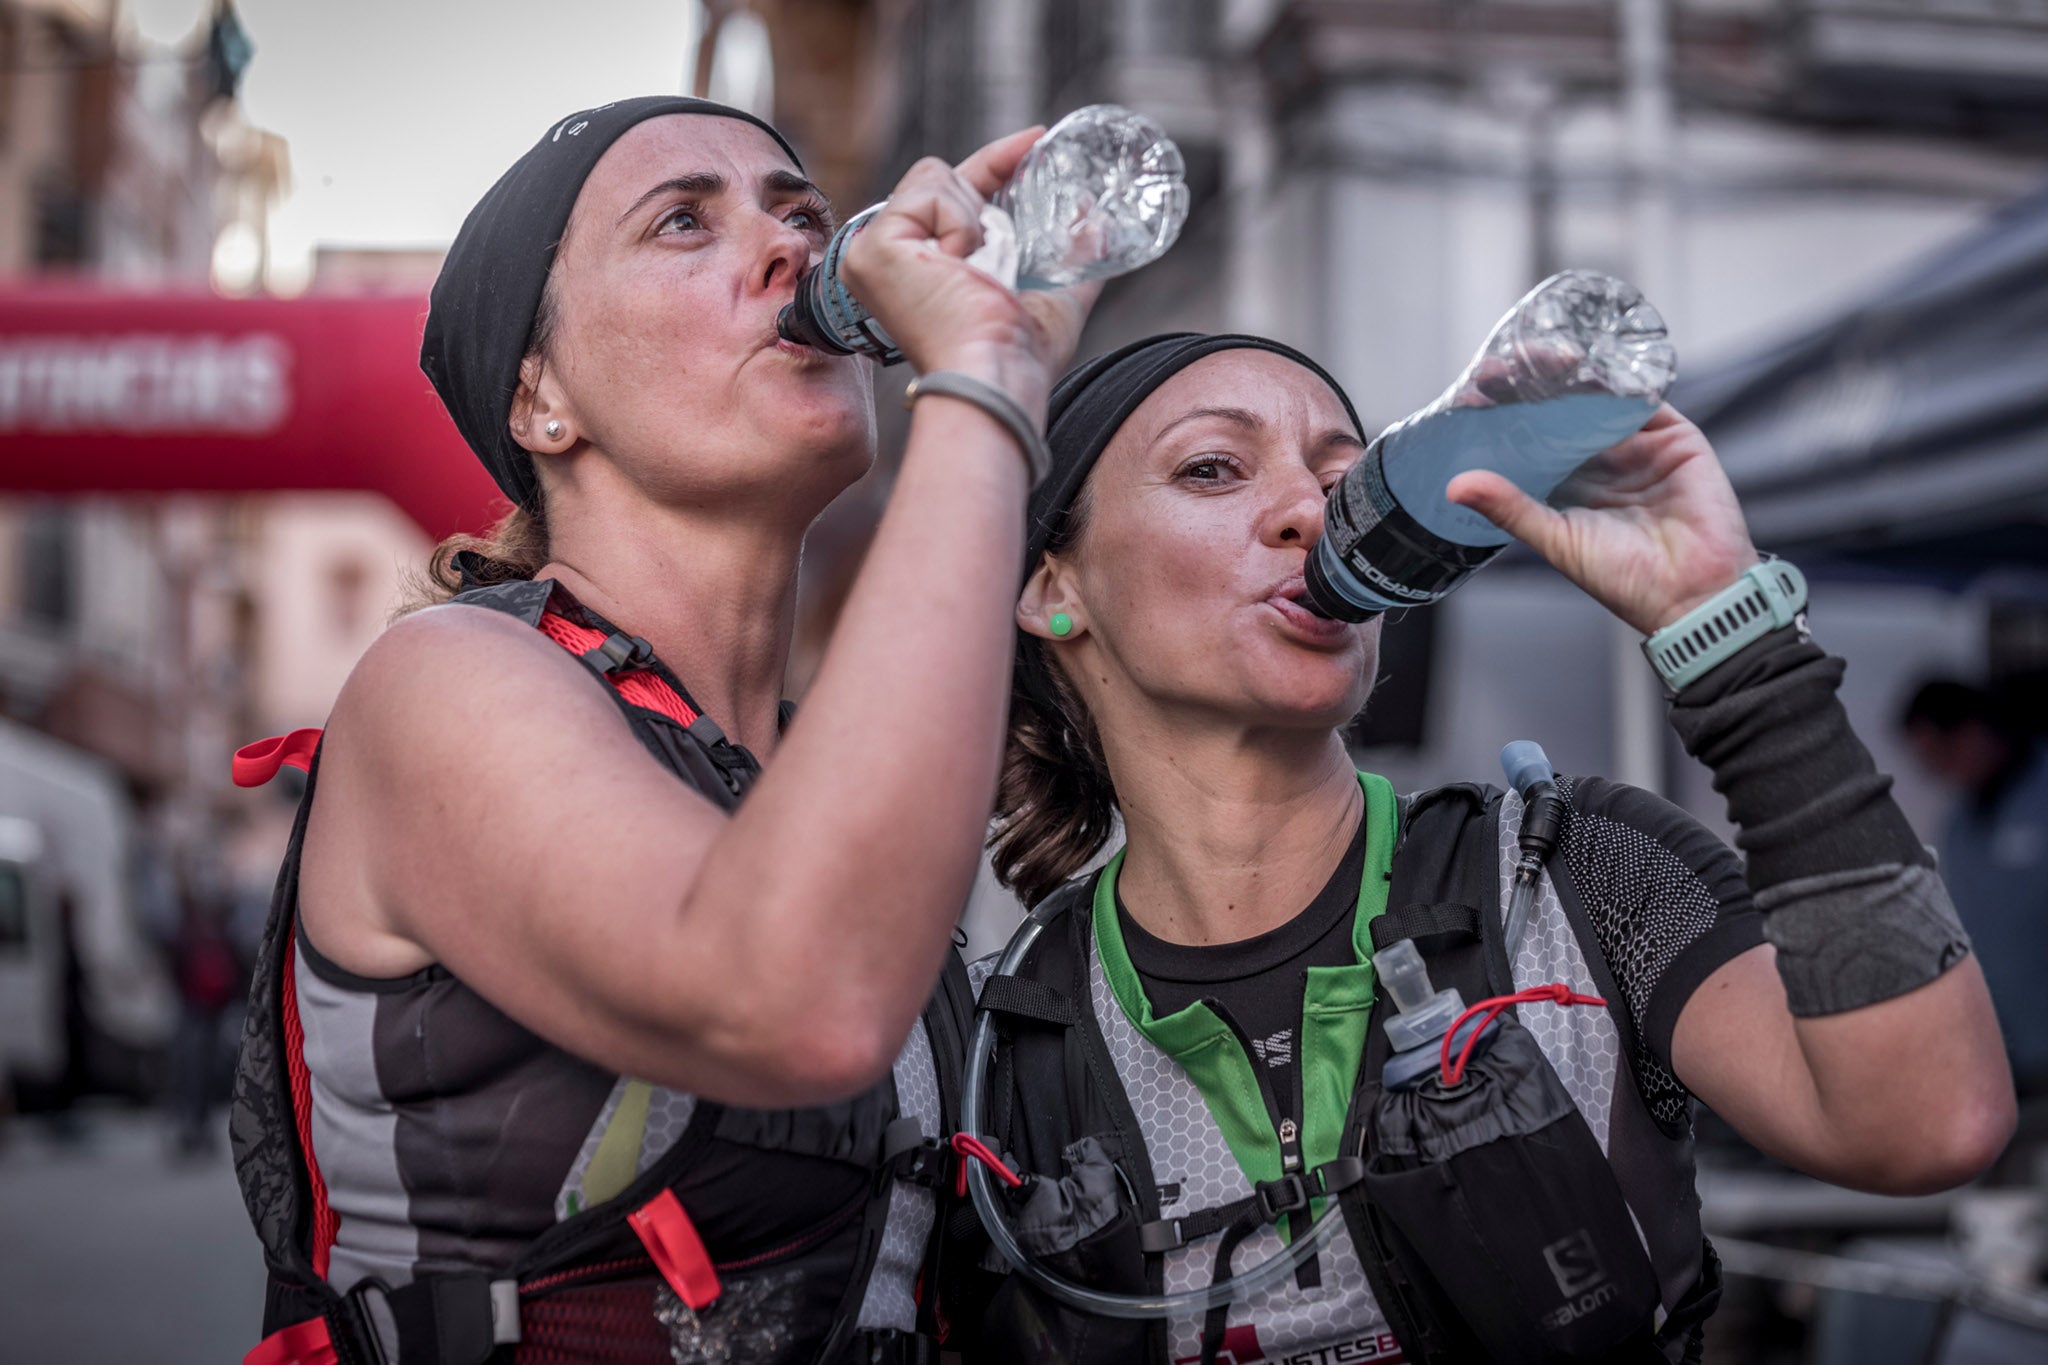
pixel 1089 404
pixel 480 318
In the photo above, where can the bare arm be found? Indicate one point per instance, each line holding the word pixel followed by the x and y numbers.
pixel 779 955
pixel 1897 1090
pixel 1902 1097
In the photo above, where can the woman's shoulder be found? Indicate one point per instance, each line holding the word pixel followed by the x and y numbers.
pixel 1604 809
pixel 1636 846
pixel 456 670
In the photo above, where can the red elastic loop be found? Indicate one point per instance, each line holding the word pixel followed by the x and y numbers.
pixel 302 1343
pixel 678 1253
pixel 968 1145
pixel 257 763
pixel 1493 1007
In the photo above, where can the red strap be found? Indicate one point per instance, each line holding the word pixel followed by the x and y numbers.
pixel 1493 1007
pixel 967 1145
pixel 678 1253
pixel 257 763
pixel 643 689
pixel 326 1222
pixel 302 1343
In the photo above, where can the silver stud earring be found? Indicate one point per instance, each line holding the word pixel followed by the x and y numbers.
pixel 554 430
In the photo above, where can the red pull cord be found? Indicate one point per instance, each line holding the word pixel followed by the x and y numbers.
pixel 968 1145
pixel 1556 992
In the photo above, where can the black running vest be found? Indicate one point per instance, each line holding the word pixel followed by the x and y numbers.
pixel 1060 1095
pixel 446 1129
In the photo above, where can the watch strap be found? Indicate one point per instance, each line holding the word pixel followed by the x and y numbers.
pixel 1769 595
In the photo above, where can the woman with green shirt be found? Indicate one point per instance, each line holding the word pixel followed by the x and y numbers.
pixel 1187 1056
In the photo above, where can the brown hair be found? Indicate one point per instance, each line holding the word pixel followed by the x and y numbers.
pixel 1055 802
pixel 517 547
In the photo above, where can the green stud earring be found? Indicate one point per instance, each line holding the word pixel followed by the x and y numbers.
pixel 1061 623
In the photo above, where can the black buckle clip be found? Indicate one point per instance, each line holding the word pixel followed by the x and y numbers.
pixel 620 652
pixel 928 1163
pixel 364 1320
pixel 1288 1194
pixel 908 1155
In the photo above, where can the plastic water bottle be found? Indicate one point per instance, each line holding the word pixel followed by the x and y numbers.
pixel 1102 193
pixel 1580 363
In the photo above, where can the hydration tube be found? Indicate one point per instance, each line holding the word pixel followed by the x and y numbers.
pixel 1190 1303
pixel 1535 781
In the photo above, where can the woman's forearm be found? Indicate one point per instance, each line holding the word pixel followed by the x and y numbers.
pixel 853 854
pixel 1893 1024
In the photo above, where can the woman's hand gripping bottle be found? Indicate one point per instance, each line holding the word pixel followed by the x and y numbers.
pixel 1099 195
pixel 1579 364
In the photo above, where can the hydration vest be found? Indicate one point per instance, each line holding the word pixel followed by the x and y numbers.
pixel 1074 1085
pixel 671 1267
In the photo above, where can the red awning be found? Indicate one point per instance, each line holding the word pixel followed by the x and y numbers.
pixel 156 393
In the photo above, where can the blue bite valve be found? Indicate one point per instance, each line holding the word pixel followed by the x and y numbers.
pixel 1526 765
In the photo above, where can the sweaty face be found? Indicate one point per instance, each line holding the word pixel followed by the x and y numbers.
pixel 686 241
pixel 1200 516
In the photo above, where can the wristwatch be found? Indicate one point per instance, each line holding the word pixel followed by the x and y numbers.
pixel 1768 595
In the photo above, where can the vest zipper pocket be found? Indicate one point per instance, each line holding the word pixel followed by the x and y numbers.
pixel 1284 1127
pixel 1308 1275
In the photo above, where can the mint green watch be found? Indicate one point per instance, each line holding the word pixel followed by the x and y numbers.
pixel 1768 595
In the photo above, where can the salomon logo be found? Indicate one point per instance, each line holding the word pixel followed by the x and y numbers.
pixel 1575 1265
pixel 1277 1050
pixel 1565 1314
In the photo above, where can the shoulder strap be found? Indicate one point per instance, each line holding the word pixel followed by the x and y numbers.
pixel 281 1187
pixel 522 599
pixel 1031 1001
pixel 1444 894
pixel 625 661
pixel 1096 1102
pixel 948 1018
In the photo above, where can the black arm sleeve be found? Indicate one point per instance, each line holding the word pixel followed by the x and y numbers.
pixel 1800 786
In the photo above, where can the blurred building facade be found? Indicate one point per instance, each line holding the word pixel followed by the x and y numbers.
pixel 149 637
pixel 1376 180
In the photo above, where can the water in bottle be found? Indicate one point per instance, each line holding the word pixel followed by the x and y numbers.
pixel 1578 365
pixel 1102 193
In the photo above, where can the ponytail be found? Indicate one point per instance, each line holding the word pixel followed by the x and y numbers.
pixel 516 548
pixel 1055 803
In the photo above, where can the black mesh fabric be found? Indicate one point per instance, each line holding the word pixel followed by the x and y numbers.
pixel 1668 904
pixel 609 1323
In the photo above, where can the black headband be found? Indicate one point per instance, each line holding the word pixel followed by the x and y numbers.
pixel 1088 406
pixel 481 315
pixel 1092 401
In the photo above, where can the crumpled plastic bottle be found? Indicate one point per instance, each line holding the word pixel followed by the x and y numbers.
pixel 1102 193
pixel 1580 363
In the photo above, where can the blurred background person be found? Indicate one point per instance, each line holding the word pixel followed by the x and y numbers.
pixel 1994 849
pixel 212 981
